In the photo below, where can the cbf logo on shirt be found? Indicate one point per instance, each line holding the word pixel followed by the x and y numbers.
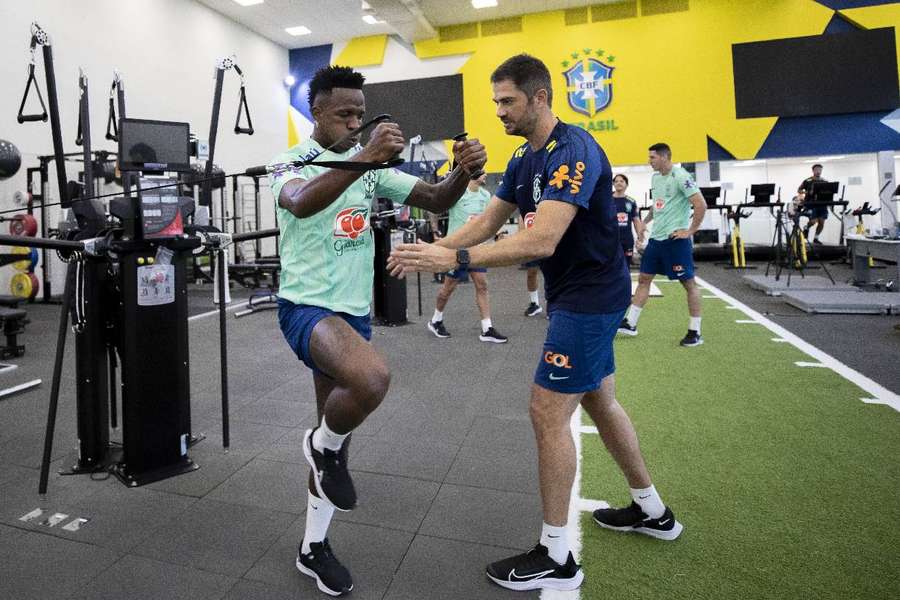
pixel 349 226
pixel 369 182
pixel 588 84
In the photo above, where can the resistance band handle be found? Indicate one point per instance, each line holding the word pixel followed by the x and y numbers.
pixel 257 171
pixel 36 117
pixel 112 129
pixel 461 137
pixel 242 104
pixel 24 118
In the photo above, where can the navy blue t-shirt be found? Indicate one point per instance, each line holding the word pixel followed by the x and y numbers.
pixel 626 212
pixel 587 273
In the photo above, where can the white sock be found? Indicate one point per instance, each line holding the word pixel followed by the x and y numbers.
pixel 318 518
pixel 486 324
pixel 323 437
pixel 634 313
pixel 534 297
pixel 556 541
pixel 649 501
pixel 438 316
pixel 694 324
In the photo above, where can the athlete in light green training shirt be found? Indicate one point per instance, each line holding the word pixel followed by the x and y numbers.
pixel 469 207
pixel 670 251
pixel 327 268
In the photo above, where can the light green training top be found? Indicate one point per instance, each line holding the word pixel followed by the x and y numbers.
pixel 470 204
pixel 671 207
pixel 327 259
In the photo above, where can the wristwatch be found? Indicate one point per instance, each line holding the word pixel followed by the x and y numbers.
pixel 462 257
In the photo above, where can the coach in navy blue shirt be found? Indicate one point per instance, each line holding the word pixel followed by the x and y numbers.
pixel 563 176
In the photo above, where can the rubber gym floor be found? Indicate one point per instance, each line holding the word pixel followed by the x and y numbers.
pixel 786 481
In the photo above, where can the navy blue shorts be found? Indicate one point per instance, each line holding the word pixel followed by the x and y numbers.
pixel 298 320
pixel 463 274
pixel 816 212
pixel 673 258
pixel 578 351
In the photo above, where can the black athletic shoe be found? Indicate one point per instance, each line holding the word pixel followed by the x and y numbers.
pixel 438 329
pixel 534 570
pixel 634 519
pixel 493 336
pixel 330 474
pixel 816 241
pixel 691 339
pixel 323 566
pixel 533 310
pixel 626 329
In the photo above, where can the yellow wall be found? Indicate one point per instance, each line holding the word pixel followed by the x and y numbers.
pixel 672 81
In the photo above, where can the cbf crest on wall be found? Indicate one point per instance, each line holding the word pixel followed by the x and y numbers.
pixel 588 81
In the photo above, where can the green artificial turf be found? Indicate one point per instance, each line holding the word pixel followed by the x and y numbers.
pixel 787 484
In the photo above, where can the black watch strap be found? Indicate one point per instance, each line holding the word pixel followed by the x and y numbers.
pixel 462 257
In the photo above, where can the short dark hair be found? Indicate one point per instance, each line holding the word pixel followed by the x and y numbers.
pixel 528 73
pixel 622 175
pixel 328 78
pixel 661 148
pixel 817 165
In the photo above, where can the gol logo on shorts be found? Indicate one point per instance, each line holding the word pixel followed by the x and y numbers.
pixel 677 268
pixel 351 222
pixel 557 360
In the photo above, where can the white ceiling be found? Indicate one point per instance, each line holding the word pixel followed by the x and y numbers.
pixel 341 20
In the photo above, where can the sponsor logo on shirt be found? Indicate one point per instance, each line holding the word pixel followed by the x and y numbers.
pixel 659 204
pixel 561 177
pixel 557 360
pixel 688 183
pixel 623 219
pixel 351 222
pixel 528 219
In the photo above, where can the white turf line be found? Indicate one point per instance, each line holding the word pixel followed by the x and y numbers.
pixel 573 527
pixel 880 394
pixel 578 504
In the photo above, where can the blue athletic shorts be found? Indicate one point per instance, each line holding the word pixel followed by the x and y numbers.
pixel 578 351
pixel 463 274
pixel 298 320
pixel 672 258
pixel 816 212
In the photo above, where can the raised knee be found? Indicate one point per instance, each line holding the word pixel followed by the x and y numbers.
pixel 373 387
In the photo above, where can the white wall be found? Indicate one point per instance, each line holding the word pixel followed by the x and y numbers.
pixel 787 174
pixel 166 51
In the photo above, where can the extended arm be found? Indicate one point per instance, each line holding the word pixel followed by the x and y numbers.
pixel 482 228
pixel 539 241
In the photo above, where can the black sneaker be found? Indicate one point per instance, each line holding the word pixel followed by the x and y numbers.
pixel 633 518
pixel 533 310
pixel 816 241
pixel 493 336
pixel 438 329
pixel 691 339
pixel 330 474
pixel 323 566
pixel 626 329
pixel 534 570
